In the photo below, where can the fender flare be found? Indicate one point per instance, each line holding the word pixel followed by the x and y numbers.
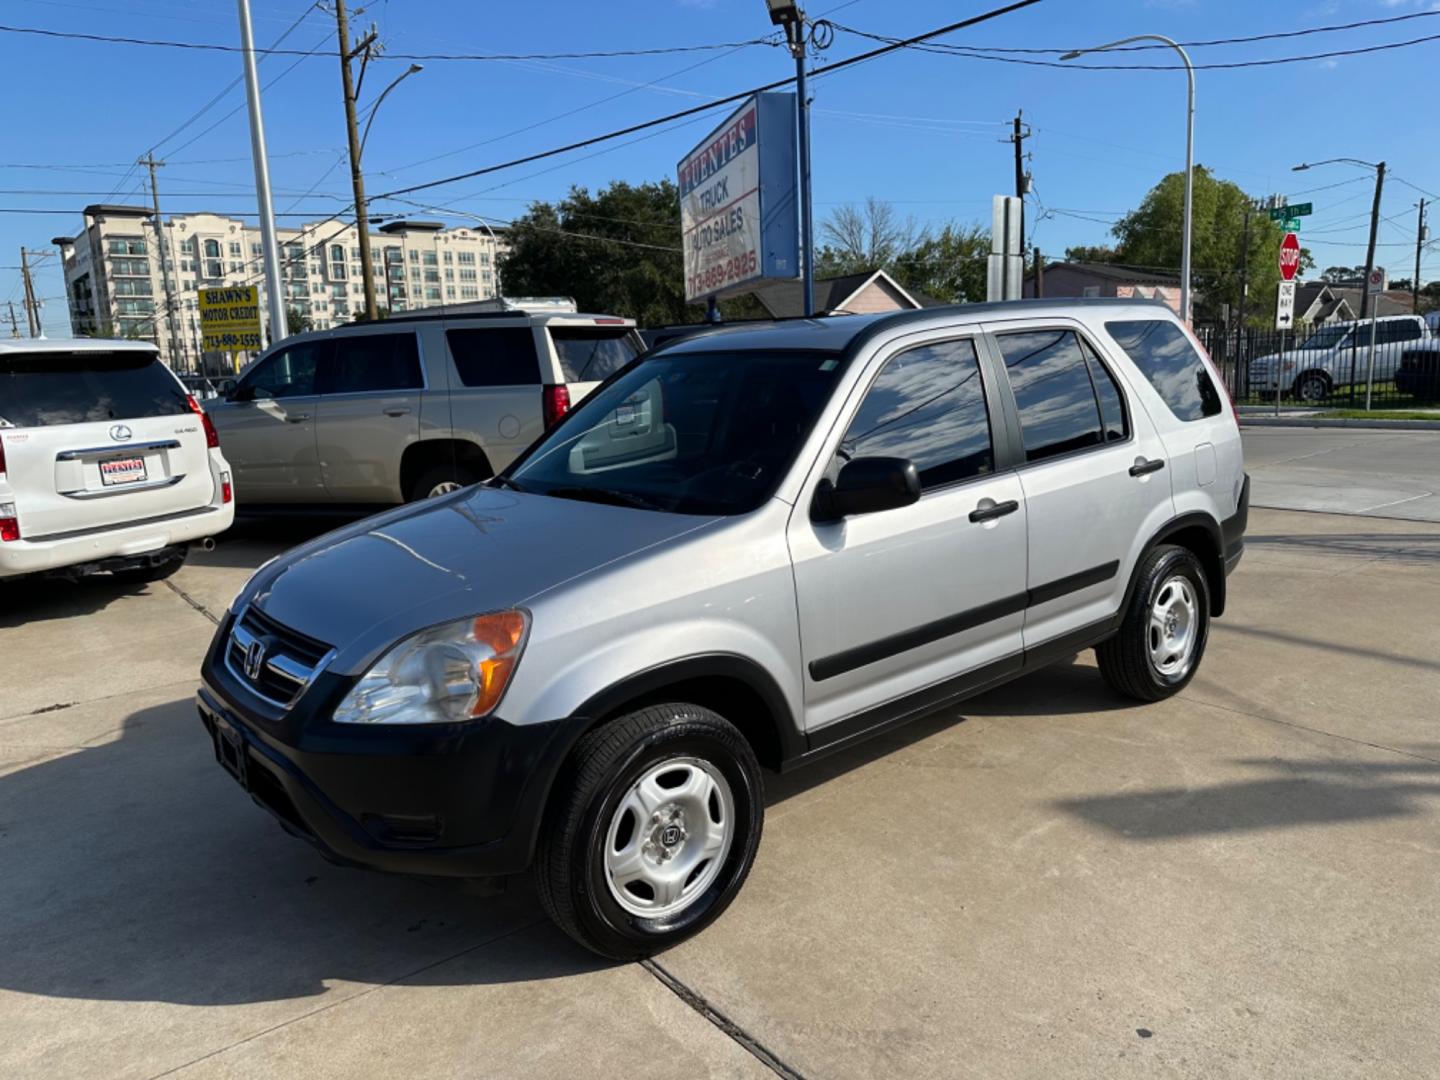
pixel 1179 524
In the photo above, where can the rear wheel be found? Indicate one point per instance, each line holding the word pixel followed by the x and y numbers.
pixel 1163 634
pixel 441 480
pixel 142 575
pixel 653 833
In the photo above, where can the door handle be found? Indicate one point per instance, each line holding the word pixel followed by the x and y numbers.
pixel 1143 467
pixel 994 510
pixel 397 411
pixel 297 418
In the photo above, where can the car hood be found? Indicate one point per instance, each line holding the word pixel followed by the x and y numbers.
pixel 363 587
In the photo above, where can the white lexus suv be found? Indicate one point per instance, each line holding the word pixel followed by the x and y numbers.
pixel 106 462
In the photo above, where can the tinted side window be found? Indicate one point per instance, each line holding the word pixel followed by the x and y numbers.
pixel 362 362
pixel 1397 331
pixel 1053 392
pixel 288 373
pixel 1107 394
pixel 928 405
pixel 590 355
pixel 1165 356
pixel 40 389
pixel 503 356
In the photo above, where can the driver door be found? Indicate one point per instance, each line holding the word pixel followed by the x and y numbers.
pixel 267 427
pixel 905 599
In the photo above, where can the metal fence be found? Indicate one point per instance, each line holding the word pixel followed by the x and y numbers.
pixel 1319 377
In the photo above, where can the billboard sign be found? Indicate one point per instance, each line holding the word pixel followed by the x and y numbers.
pixel 738 208
pixel 230 319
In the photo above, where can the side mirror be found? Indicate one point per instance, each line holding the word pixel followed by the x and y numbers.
pixel 867 485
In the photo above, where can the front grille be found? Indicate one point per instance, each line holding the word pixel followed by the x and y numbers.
pixel 275 662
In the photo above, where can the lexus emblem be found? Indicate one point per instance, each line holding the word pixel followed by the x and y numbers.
pixel 120 432
pixel 254 659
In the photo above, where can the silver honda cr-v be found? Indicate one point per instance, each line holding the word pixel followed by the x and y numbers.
pixel 746 550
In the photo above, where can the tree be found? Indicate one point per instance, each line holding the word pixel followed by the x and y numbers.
pixel 296 321
pixel 950 266
pixel 617 251
pixel 1091 253
pixel 1149 237
pixel 859 239
pixel 1343 275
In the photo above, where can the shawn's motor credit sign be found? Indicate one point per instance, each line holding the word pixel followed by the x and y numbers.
pixel 737 201
pixel 230 319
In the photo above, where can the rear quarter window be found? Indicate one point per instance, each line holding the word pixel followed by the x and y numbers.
pixel 1166 358
pixel 592 354
pixel 495 356
pixel 46 389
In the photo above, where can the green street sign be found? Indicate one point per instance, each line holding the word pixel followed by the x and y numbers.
pixel 1298 210
pixel 1291 225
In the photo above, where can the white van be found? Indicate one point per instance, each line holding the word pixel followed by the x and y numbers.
pixel 1326 359
pixel 106 462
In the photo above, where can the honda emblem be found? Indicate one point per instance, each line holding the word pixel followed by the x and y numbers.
pixel 254 659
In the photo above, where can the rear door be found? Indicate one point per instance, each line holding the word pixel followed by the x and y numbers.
pixel 99 438
pixel 1094 475
pixel 267 426
pixel 1392 338
pixel 369 412
pixel 495 386
pixel 590 351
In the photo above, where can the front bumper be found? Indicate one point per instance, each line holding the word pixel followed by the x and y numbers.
pixel 445 801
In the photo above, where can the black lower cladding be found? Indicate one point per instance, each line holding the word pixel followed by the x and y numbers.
pixel 1232 529
pixel 455 800
pixel 827 667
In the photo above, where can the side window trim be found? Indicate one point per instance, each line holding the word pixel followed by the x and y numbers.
pixel 1093 352
pixel 1006 393
pixel 973 334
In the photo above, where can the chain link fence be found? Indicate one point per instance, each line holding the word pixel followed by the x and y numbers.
pixel 1329 366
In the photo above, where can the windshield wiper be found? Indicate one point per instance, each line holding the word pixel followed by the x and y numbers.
pixel 604 495
pixel 505 481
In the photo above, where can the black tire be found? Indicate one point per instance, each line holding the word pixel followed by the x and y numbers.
pixel 433 477
pixel 1311 387
pixel 143 575
pixel 569 871
pixel 1125 659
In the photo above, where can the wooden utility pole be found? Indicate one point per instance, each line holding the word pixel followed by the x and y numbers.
pixel 169 347
pixel 32 309
pixel 14 326
pixel 1039 274
pixel 1419 247
pixel 1018 137
pixel 357 178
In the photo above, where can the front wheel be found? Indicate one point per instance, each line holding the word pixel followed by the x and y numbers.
pixel 653 833
pixel 1311 389
pixel 1165 628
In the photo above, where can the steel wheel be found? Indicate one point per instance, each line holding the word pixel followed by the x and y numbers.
pixel 669 836
pixel 1174 625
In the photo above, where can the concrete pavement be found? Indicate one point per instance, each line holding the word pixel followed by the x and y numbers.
pixel 1045 882
pixel 1345 471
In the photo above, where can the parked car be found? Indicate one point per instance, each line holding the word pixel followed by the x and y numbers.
pixel 1419 371
pixel 411 406
pixel 822 529
pixel 106 463
pixel 1335 353
pixel 199 387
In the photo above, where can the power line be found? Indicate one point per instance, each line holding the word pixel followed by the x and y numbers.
pixel 202 46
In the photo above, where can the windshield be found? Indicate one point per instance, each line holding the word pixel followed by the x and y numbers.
pixel 692 433
pixel 1326 337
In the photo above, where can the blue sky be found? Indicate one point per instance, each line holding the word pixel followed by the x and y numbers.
pixel 919 130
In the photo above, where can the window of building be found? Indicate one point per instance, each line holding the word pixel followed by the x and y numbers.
pixel 357 289
pixel 295 251
pixel 255 249
pixel 355 251
pixel 338 291
pixel 414 255
pixel 928 405
pixel 449 292
pixel 357 270
pixel 188 245
pixel 130 267
pixel 235 267
pixel 235 250
pixel 469 292
pixel 467 275
pixel 430 258
pixel 1059 411
pixel 467 258
pixel 449 258
pixel 484 258
pixel 432 276
pixel 432 293
pixel 486 276
pixel 126 245
pixel 1165 356
pixel 397 272
pixel 449 274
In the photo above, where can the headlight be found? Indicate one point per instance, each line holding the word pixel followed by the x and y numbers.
pixel 457 671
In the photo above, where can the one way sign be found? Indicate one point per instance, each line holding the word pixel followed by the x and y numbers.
pixel 1285 306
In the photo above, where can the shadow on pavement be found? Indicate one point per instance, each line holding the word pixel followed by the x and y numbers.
pixel 27 601
pixel 1344 649
pixel 137 870
pixel 1412 547
pixel 1310 793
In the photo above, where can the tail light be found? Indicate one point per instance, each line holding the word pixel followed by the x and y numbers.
pixel 9 523
pixel 554 402
pixel 212 437
pixel 226 491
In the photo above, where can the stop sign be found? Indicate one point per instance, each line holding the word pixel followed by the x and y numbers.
pixel 1289 256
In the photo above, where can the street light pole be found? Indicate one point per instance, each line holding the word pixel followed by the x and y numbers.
pixel 787 15
pixel 1379 167
pixel 268 246
pixel 413 69
pixel 1189 152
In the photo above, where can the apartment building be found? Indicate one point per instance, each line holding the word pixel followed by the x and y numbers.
pixel 115 281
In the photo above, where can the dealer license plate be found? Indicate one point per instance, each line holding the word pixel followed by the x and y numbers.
pixel 122 471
